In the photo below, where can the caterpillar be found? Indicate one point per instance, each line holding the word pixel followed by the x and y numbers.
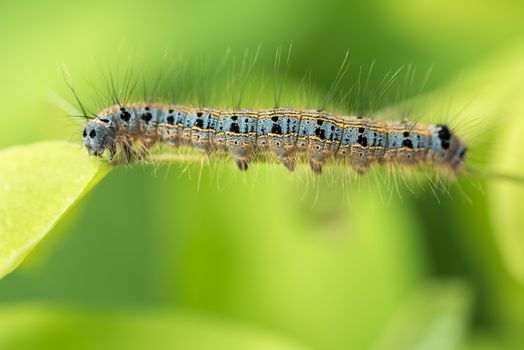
pixel 127 132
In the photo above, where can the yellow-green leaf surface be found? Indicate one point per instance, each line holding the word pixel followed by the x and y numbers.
pixel 434 317
pixel 508 197
pixel 38 183
pixel 35 326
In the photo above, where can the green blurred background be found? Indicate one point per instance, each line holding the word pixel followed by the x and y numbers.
pixel 208 258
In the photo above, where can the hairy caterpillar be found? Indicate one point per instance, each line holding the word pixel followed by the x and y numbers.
pixel 126 132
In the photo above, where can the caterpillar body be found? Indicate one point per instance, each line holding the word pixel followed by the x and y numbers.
pixel 289 134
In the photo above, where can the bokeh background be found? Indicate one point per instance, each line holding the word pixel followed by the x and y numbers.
pixel 193 257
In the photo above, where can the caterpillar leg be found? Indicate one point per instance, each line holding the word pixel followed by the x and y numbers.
pixel 242 163
pixel 315 165
pixel 289 162
pixel 112 152
pixel 318 153
pixel 121 157
pixel 242 148
pixel 360 159
pixel 284 149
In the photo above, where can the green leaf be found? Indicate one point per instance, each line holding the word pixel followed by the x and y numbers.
pixel 43 327
pixel 38 183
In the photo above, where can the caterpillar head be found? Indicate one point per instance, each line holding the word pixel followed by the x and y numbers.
pixel 99 135
pixel 448 149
